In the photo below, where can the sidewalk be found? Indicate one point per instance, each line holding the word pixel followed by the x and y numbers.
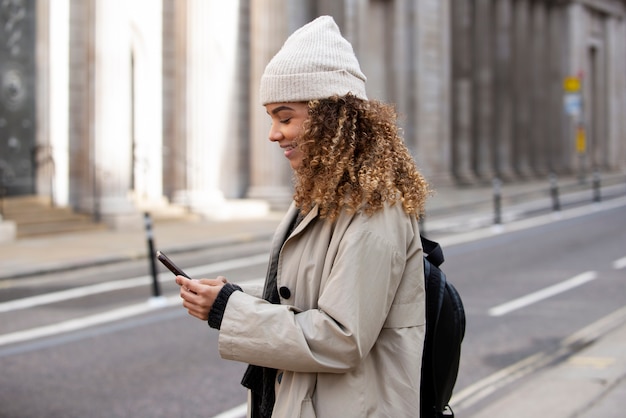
pixel 450 211
pixel 55 253
pixel 589 383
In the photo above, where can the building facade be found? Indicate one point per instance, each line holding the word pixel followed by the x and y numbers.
pixel 112 107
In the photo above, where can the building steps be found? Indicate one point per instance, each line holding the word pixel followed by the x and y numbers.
pixel 35 216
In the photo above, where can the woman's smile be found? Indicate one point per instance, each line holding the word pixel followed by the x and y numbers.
pixel 287 125
pixel 289 149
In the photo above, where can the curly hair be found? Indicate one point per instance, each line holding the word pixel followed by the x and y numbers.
pixel 355 159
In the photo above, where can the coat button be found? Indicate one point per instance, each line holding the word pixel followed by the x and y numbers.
pixel 284 292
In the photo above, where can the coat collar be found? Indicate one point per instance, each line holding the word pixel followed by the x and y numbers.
pixel 290 217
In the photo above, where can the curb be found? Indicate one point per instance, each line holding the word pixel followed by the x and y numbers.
pixel 580 362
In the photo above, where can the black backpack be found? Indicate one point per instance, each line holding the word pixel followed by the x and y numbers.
pixel 445 329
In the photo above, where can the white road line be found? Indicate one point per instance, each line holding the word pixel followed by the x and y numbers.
pixel 75 293
pixel 239 411
pixel 543 294
pixel 518 225
pixel 83 291
pixel 96 319
pixel 620 263
pixel 84 322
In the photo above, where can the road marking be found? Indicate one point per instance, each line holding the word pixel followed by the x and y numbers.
pixel 96 319
pixel 591 362
pixel 522 224
pixel 83 291
pixel 620 263
pixel 485 387
pixel 84 322
pixel 479 390
pixel 543 294
pixel 239 411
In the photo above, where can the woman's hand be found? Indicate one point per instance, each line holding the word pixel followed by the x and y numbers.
pixel 199 295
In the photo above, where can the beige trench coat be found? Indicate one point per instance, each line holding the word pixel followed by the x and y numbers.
pixel 349 332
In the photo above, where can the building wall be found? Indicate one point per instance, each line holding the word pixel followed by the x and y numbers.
pixel 510 60
pixel 162 97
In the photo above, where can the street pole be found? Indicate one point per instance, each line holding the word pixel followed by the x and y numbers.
pixel 596 186
pixel 497 201
pixel 156 289
pixel 554 192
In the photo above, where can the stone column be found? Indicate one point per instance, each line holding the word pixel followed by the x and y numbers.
pixel 59 99
pixel 462 90
pixel 432 52
pixel 557 148
pixel 270 172
pixel 147 111
pixel 175 99
pixel 577 49
pixel 538 139
pixel 371 37
pixel 484 90
pixel 521 83
pixel 83 189
pixel 503 117
pixel 400 65
pixel 212 116
pixel 112 114
pixel 599 95
pixel 616 74
pixel 53 101
pixel 357 24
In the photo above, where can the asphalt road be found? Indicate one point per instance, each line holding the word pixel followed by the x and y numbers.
pixel 94 343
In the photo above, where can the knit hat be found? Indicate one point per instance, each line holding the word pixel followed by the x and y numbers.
pixel 315 62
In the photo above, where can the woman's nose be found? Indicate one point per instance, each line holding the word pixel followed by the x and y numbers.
pixel 275 134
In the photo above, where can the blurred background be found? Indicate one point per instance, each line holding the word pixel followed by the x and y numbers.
pixel 113 111
pixel 109 108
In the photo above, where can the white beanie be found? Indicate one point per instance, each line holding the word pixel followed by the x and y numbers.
pixel 315 62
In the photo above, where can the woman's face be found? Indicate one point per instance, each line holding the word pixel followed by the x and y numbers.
pixel 287 122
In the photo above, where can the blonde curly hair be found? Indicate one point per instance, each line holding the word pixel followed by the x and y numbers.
pixel 354 159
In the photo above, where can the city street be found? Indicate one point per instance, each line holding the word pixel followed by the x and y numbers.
pixel 191 127
pixel 93 342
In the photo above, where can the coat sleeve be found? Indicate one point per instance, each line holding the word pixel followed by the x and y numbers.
pixel 254 289
pixel 353 304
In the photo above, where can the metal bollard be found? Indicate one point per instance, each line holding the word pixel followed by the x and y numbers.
pixel 596 186
pixel 497 201
pixel 156 289
pixel 554 192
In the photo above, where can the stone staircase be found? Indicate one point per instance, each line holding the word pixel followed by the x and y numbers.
pixel 34 216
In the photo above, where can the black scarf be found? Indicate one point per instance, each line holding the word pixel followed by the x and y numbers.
pixel 261 380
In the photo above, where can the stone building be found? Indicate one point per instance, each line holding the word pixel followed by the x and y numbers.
pixel 114 106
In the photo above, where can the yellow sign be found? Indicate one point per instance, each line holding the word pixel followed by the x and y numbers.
pixel 571 84
pixel 581 142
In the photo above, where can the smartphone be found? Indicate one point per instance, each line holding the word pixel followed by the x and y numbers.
pixel 170 265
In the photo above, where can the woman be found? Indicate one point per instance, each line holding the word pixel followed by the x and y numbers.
pixel 339 327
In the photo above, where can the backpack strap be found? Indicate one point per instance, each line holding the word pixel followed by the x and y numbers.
pixel 434 251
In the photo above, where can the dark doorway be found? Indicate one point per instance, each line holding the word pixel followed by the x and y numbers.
pixel 18 154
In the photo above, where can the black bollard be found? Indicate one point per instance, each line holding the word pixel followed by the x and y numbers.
pixel 497 201
pixel 596 186
pixel 156 289
pixel 554 192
